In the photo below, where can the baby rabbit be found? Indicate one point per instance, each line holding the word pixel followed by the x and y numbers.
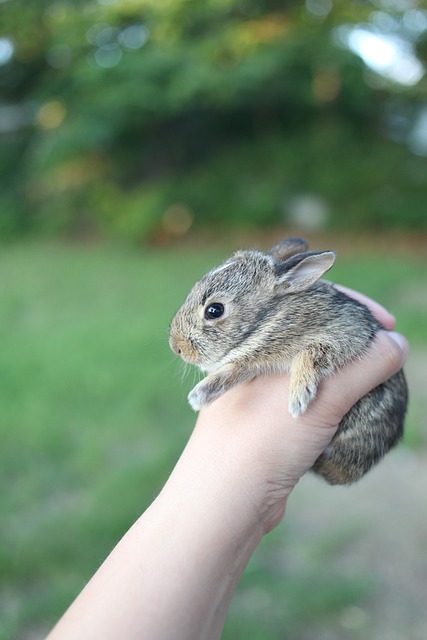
pixel 261 313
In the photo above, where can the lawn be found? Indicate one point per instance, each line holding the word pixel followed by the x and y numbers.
pixel 93 417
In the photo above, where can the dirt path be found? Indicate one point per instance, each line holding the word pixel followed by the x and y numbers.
pixel 387 515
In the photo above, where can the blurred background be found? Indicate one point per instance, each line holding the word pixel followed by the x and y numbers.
pixel 141 141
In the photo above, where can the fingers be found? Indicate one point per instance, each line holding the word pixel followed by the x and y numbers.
pixel 386 357
pixel 381 314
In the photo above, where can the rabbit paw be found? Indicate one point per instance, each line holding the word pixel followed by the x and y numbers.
pixel 299 399
pixel 216 384
pixel 204 393
pixel 197 397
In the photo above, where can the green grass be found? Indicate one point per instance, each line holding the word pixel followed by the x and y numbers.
pixel 93 417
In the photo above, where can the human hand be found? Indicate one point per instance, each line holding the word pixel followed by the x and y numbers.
pixel 272 450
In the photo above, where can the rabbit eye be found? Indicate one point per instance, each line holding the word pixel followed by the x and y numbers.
pixel 214 311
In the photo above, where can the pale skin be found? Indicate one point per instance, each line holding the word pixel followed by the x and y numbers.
pixel 173 574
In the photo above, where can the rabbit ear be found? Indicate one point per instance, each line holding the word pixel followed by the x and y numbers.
pixel 301 271
pixel 287 248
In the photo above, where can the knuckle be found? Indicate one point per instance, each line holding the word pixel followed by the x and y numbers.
pixel 390 351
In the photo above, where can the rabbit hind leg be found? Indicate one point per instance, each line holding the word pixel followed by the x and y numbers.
pixel 366 433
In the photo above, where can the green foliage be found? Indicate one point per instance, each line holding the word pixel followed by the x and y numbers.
pixel 124 108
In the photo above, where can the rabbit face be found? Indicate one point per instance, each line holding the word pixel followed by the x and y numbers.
pixel 220 311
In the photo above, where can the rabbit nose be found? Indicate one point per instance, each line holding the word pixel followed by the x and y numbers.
pixel 175 345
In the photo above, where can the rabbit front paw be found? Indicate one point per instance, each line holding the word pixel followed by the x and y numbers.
pixel 205 392
pixel 216 384
pixel 300 398
pixel 198 396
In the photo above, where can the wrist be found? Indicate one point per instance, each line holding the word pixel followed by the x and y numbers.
pixel 242 448
pixel 214 479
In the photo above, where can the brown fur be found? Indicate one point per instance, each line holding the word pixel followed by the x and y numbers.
pixel 279 316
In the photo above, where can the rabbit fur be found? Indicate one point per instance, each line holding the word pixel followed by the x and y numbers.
pixel 261 313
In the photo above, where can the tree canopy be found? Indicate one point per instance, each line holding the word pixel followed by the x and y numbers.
pixel 136 117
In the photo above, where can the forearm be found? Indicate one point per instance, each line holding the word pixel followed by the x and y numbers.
pixel 174 572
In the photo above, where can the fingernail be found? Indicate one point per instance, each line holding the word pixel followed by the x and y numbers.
pixel 400 340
